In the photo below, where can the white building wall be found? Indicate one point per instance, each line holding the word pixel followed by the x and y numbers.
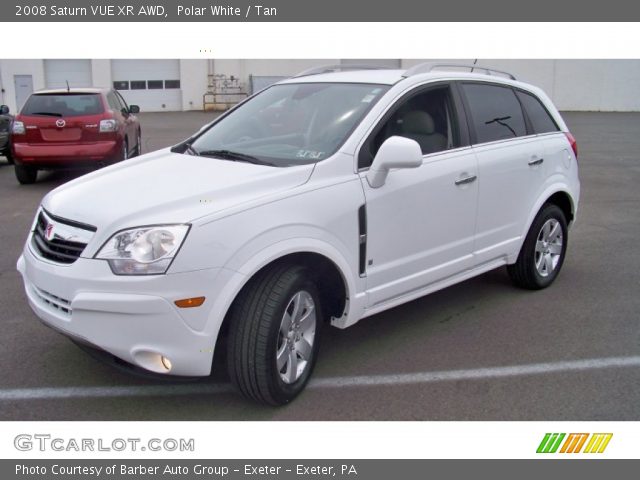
pixel 277 67
pixel 9 68
pixel 580 85
pixel 101 73
pixel 601 85
pixel 193 81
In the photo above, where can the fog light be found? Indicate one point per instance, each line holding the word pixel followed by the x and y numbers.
pixel 166 363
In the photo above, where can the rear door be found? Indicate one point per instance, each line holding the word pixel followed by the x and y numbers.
pixel 62 118
pixel 557 155
pixel 510 167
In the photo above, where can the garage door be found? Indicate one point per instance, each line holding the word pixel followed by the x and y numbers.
pixel 154 85
pixel 58 72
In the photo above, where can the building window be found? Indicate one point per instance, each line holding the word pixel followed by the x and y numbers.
pixel 172 84
pixel 154 84
pixel 138 85
pixel 121 85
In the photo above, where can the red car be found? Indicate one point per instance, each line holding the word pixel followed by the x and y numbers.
pixel 76 127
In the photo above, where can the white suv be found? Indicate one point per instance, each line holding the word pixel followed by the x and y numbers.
pixel 328 197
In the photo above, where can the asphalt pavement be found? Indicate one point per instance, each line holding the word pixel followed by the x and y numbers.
pixel 480 350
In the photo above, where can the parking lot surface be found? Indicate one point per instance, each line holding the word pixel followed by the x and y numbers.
pixel 481 350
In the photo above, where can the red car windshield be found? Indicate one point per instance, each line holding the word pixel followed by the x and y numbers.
pixel 63 105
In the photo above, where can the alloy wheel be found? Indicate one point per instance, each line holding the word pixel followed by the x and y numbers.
pixel 296 337
pixel 548 247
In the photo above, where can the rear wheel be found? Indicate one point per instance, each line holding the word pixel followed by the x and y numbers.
pixel 26 174
pixel 274 334
pixel 543 251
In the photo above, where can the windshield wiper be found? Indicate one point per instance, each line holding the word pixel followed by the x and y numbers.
pixel 190 149
pixel 234 156
pixel 48 114
pixel 500 121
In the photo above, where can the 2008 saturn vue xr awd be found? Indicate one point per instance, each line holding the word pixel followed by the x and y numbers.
pixel 324 199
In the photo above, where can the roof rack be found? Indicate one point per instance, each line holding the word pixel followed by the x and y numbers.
pixel 338 68
pixel 429 66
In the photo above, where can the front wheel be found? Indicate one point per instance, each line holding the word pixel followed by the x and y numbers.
pixel 274 334
pixel 138 150
pixel 543 251
pixel 124 155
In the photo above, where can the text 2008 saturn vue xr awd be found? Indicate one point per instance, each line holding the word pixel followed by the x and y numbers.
pixel 324 199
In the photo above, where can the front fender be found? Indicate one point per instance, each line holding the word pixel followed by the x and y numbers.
pixel 242 267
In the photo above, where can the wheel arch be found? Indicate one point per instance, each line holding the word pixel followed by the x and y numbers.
pixel 329 266
pixel 563 200
pixel 558 195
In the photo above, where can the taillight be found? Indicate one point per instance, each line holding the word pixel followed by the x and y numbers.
pixel 572 141
pixel 18 128
pixel 108 125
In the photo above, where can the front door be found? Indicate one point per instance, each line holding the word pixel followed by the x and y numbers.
pixel 421 222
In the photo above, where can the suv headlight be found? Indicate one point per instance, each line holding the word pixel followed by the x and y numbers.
pixel 143 250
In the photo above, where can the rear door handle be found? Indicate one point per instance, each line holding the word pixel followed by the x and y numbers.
pixel 536 161
pixel 465 180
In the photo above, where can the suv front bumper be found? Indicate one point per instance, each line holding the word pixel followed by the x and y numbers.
pixel 133 318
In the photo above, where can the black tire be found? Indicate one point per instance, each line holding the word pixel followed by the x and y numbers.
pixel 524 272
pixel 9 157
pixel 26 174
pixel 254 334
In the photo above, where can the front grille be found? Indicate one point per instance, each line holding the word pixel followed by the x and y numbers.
pixel 56 248
pixel 54 302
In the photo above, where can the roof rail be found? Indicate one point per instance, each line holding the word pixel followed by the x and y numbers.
pixel 338 68
pixel 429 66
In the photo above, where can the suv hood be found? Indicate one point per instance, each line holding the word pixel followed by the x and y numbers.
pixel 165 187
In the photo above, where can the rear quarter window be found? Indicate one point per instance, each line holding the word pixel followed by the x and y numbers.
pixel 63 105
pixel 540 118
pixel 495 112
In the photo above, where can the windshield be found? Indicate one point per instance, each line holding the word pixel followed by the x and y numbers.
pixel 63 105
pixel 290 124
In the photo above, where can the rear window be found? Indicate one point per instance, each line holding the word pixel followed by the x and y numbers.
pixel 63 105
pixel 495 111
pixel 541 120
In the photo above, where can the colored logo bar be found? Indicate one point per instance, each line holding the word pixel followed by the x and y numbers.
pixel 574 443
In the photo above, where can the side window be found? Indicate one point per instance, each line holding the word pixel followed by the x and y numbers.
pixel 121 101
pixel 426 117
pixel 540 118
pixel 495 112
pixel 113 102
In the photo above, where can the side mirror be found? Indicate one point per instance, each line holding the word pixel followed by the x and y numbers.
pixel 395 152
pixel 134 109
pixel 4 110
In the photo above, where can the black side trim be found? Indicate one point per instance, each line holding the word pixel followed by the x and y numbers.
pixel 362 238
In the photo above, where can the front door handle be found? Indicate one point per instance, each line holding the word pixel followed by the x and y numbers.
pixel 536 161
pixel 465 180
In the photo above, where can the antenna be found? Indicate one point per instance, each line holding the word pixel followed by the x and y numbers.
pixel 474 62
pixel 67 82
